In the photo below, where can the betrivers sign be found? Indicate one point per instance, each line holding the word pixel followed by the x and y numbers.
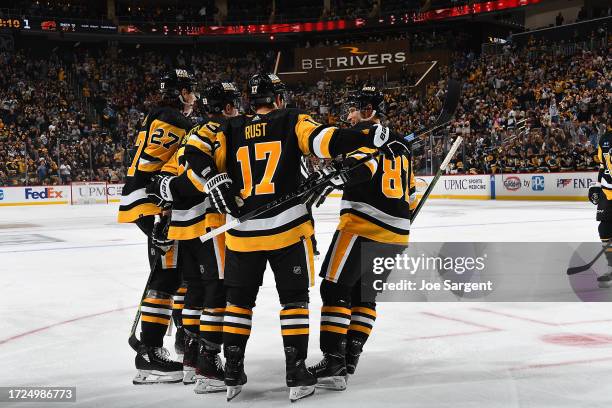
pixel 346 57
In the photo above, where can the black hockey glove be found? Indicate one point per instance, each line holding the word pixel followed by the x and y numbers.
pixel 159 237
pixel 158 191
pixel 390 143
pixel 318 196
pixel 595 193
pixel 222 196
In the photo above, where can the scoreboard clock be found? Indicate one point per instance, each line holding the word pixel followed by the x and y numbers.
pixel 13 23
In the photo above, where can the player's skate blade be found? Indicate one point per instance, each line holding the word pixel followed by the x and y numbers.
pixel 605 281
pixel 233 391
pixel 335 383
pixel 208 385
pixel 189 375
pixel 157 377
pixel 303 391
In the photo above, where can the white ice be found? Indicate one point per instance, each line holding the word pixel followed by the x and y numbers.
pixel 61 264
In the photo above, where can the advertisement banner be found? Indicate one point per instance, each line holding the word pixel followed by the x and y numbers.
pixel 114 192
pixel 34 195
pixel 466 187
pixel 544 186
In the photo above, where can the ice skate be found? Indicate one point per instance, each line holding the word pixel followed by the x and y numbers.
pixel 210 376
pixel 330 372
pixel 235 377
pixel 179 342
pixel 353 351
pixel 605 280
pixel 190 358
pixel 154 366
pixel 300 381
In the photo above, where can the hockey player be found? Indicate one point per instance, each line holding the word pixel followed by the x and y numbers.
pixel 256 159
pixel 600 194
pixel 376 206
pixel 158 138
pixel 201 262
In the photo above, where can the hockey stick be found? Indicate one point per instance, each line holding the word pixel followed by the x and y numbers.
pixel 451 102
pixel 431 186
pixel 578 269
pixel 301 191
pixel 133 340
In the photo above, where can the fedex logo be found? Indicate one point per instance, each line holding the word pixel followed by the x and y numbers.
pixel 47 192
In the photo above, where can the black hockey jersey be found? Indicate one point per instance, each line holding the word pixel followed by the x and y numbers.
pixel 261 154
pixel 381 208
pixel 604 149
pixel 158 138
pixel 192 214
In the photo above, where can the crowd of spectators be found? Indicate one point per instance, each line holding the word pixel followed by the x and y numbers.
pixel 532 108
pixel 38 109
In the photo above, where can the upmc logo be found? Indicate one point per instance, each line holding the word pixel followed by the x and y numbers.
pixel 537 183
pixel 47 192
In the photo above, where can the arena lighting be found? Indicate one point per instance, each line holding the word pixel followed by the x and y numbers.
pixel 174 29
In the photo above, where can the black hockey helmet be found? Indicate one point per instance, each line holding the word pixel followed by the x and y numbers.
pixel 350 103
pixel 219 94
pixel 263 88
pixel 172 82
pixel 370 95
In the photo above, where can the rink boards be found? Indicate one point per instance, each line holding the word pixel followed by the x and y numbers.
pixel 522 186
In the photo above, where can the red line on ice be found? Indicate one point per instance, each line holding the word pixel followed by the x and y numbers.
pixel 562 363
pixel 528 319
pixel 454 319
pixel 75 319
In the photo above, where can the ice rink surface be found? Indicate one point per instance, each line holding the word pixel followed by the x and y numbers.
pixel 71 278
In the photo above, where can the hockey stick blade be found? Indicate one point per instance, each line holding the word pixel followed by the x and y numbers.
pixel 451 102
pixel 577 269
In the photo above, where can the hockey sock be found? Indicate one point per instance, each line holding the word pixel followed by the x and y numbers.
pixel 335 321
pixel 191 320
pixel 294 327
pixel 156 314
pixel 237 326
pixel 362 321
pixel 178 305
pixel 211 324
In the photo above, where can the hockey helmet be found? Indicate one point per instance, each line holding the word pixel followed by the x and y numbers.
pixel 217 95
pixel 263 88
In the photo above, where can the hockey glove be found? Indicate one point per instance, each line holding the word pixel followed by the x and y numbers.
pixel 318 196
pixel 222 197
pixel 159 237
pixel 595 193
pixel 390 143
pixel 159 192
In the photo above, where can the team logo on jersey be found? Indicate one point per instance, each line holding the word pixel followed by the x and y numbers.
pixel 537 183
pixel 297 270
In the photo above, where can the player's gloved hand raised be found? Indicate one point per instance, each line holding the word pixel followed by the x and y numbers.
pixel 158 191
pixel 595 193
pixel 390 143
pixel 222 196
pixel 159 236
